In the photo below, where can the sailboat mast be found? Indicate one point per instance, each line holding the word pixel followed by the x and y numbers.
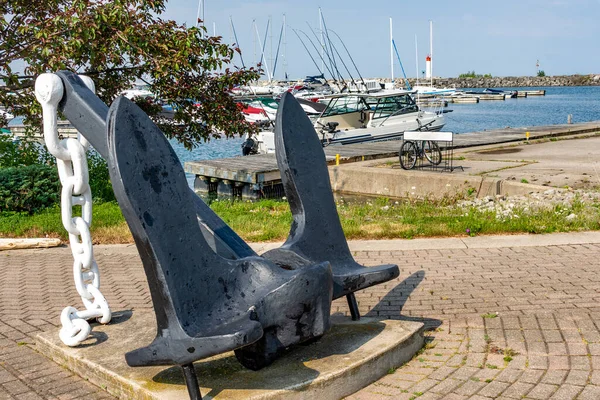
pixel 392 51
pixel 271 42
pixel 254 39
pixel 417 59
pixel 262 51
pixel 237 44
pixel 285 48
pixel 322 40
pixel 431 53
pixel 277 51
pixel 200 14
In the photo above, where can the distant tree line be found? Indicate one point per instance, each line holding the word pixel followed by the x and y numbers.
pixel 472 74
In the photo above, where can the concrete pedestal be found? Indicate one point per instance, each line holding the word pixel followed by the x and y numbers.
pixel 349 357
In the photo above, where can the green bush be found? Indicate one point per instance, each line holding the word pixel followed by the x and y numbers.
pixel 541 73
pixel 26 151
pixel 16 152
pixel 28 189
pixel 100 184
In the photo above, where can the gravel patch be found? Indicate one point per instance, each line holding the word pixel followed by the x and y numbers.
pixel 508 207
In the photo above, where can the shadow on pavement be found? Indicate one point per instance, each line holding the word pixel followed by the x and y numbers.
pixel 390 306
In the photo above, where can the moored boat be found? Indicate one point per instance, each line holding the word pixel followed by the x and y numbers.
pixel 507 93
pixel 363 117
pixel 7 116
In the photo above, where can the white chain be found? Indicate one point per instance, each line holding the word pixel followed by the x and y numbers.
pixel 74 178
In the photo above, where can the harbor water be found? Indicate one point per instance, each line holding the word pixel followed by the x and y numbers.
pixel 583 102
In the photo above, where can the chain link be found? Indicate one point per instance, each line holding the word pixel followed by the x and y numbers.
pixel 74 178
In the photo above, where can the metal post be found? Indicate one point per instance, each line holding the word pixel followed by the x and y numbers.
pixel 191 381
pixel 353 305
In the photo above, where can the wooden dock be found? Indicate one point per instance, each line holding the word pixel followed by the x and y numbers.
pixel 534 92
pixel 65 129
pixel 491 96
pixel 257 176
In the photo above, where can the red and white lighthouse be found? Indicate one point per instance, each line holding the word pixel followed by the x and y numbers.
pixel 428 67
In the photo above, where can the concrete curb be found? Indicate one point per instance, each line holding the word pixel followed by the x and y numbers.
pixel 477 242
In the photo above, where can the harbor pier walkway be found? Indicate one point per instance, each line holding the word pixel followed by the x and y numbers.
pixel 509 317
pixel 258 176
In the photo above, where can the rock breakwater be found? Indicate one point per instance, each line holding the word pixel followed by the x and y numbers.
pixel 511 81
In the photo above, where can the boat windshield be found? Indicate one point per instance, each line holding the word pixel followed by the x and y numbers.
pixel 387 106
pixel 345 105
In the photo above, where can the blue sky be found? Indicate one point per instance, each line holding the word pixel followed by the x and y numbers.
pixel 503 38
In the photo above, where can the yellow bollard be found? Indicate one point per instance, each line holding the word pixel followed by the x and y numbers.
pixel 337 159
pixel 527 136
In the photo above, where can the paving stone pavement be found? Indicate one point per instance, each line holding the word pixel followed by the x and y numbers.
pixel 505 323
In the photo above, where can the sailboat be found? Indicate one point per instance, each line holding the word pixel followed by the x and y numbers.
pixel 423 90
pixel 365 112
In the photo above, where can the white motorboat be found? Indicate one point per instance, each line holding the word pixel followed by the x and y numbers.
pixel 361 117
pixel 7 116
pixel 137 91
pixel 432 91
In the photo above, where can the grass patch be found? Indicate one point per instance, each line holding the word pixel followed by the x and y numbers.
pixel 108 224
pixel 270 220
pixel 508 352
pixel 490 315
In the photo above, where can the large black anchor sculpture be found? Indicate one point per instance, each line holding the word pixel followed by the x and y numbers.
pixel 204 304
pixel 210 290
pixel 316 234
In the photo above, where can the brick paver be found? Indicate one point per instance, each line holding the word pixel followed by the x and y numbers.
pixel 505 323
